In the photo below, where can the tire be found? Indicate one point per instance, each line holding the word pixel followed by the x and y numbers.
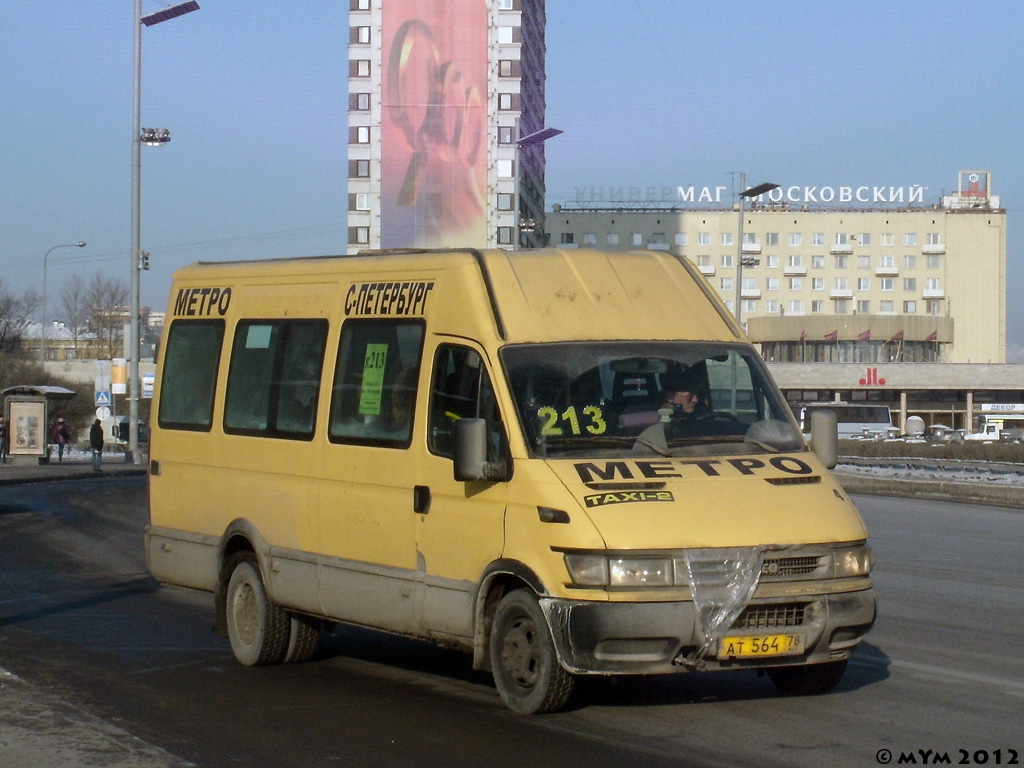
pixel 303 636
pixel 257 628
pixel 525 666
pixel 809 679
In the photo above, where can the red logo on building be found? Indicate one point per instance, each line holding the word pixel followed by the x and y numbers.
pixel 872 378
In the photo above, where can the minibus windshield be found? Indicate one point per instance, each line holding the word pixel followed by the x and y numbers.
pixel 668 398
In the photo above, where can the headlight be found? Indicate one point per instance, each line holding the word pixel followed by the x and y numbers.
pixel 593 570
pixel 853 561
pixel 640 572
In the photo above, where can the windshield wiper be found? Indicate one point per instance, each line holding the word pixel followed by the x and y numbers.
pixel 766 447
pixel 586 440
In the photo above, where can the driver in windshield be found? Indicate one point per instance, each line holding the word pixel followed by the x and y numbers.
pixel 681 406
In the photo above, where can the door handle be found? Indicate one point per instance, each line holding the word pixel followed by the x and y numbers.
pixel 421 499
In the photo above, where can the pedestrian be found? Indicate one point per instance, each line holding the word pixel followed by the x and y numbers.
pixel 3 440
pixel 96 443
pixel 61 437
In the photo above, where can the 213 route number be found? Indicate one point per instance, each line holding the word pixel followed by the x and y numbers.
pixel 555 423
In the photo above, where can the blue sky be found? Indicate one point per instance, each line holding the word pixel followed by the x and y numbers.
pixel 648 92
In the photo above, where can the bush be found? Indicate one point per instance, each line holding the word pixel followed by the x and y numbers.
pixel 970 450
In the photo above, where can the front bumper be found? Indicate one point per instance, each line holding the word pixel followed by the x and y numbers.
pixel 654 638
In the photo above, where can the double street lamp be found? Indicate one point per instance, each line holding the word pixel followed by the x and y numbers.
pixel 42 327
pixel 150 137
pixel 757 191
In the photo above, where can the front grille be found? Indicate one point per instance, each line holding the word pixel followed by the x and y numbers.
pixel 768 616
pixel 788 566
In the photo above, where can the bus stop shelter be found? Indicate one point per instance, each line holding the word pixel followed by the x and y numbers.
pixel 27 412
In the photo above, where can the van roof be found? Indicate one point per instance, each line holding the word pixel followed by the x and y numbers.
pixel 541 295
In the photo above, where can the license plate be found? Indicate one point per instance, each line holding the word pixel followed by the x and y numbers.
pixel 755 646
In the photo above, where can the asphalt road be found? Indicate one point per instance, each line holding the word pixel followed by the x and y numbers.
pixel 103 667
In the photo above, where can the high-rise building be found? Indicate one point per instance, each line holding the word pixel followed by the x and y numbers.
pixel 440 94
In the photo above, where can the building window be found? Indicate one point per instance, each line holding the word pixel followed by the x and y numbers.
pixel 863 283
pixel 725 284
pixel 507 35
pixel 841 306
pixel 842 284
pixel 703 238
pixel 933 284
pixel 509 68
pixel 888 239
pixel 817 283
pixel 910 261
pixel 749 283
pixel 841 238
pixel 933 307
pixel 359 102
pixel 749 306
pixel 771 238
pixel 726 260
pixel 796 239
pixel 796 283
pixel 771 307
pixel 658 238
pixel 358 235
pixel 359 201
pixel 637 238
pixel 841 261
pixel 771 261
pixel 771 283
pixel 359 68
pixel 863 261
pixel 568 238
pixel 681 239
pixel 359 35
pixel 909 283
pixel 506 5
pixel 817 261
pixel 509 102
pixel 505 201
pixel 909 307
pixel 863 307
pixel 750 238
pixel 910 238
pixel 506 134
pixel 359 5
pixel 589 238
pixel 505 169
pixel 704 260
pixel 888 260
pixel 727 239
pixel 359 134
pixel 817 307
pixel 818 238
pixel 612 238
pixel 887 284
pixel 864 238
pixel 796 261
pixel 359 169
pixel 504 235
pixel 934 238
pixel 796 307
pixel 885 306
pixel 934 261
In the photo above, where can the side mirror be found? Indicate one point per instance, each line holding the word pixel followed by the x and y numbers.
pixel 470 460
pixel 825 437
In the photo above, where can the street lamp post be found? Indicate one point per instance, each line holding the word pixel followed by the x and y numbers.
pixel 42 326
pixel 757 191
pixel 537 137
pixel 132 351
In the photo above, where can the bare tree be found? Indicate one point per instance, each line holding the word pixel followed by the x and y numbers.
pixel 107 299
pixel 14 314
pixel 77 310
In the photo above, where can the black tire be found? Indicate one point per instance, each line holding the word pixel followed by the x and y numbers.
pixel 303 636
pixel 809 679
pixel 523 660
pixel 257 628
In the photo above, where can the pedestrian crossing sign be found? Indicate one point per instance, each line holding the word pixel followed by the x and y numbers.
pixel 102 399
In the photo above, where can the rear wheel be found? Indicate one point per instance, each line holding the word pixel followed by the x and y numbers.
pixel 523 659
pixel 257 628
pixel 809 679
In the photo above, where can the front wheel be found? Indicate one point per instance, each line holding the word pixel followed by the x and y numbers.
pixel 257 628
pixel 523 658
pixel 808 680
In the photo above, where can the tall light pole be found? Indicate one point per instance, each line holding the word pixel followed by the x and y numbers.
pixel 42 326
pixel 757 191
pixel 132 351
pixel 531 139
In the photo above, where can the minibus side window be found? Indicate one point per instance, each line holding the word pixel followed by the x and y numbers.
pixel 191 360
pixel 461 389
pixel 374 397
pixel 274 378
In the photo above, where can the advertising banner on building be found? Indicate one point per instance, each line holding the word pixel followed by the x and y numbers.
pixel 434 123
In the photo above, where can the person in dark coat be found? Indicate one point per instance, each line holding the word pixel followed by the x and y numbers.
pixel 61 437
pixel 96 443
